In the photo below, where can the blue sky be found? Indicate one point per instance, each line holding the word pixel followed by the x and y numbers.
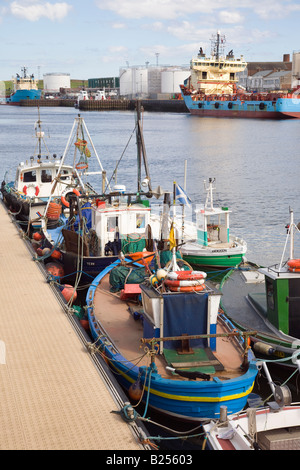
pixel 94 38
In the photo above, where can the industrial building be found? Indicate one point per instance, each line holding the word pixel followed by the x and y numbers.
pixel 53 82
pixel 107 82
pixel 152 82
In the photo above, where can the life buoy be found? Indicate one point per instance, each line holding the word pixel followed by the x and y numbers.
pixel 294 270
pixel 64 194
pixel 30 186
pixel 184 283
pixel 188 288
pixel 294 263
pixel 186 275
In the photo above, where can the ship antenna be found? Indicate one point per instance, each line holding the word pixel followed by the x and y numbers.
pixel 217 44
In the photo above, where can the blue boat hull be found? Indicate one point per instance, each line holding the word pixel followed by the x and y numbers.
pixel 190 400
pixel 282 108
pixel 24 95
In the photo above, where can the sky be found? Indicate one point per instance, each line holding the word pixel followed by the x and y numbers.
pixel 95 38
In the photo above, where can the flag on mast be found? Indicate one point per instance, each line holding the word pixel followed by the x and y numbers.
pixel 180 196
pixel 172 239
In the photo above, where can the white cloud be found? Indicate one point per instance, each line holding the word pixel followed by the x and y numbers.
pixel 119 26
pixel 230 17
pixel 158 9
pixel 174 9
pixel 35 10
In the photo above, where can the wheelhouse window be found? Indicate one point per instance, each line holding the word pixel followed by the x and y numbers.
pixel 46 176
pixel 140 220
pixel 112 223
pixel 29 176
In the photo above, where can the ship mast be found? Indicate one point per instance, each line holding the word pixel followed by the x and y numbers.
pixel 217 45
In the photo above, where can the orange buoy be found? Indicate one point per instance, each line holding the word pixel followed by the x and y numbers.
pixel 56 269
pixel 85 324
pixel 56 254
pixel 135 391
pixel 37 236
pixel 69 292
pixel 294 263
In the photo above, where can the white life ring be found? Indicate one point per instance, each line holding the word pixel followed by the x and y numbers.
pixel 186 275
pixel 27 190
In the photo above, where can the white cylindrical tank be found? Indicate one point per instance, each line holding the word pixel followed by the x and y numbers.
pixel 134 81
pixel 171 79
pixel 54 81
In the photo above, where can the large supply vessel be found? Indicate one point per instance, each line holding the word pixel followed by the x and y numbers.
pixel 212 90
pixel 25 88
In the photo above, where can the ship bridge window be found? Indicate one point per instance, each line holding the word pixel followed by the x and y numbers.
pixel 46 176
pixel 29 176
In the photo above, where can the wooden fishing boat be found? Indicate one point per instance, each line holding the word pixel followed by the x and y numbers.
pixel 94 228
pixel 213 244
pixel 26 197
pixel 192 362
pixel 267 300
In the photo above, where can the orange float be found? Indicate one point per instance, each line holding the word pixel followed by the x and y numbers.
pixel 188 288
pixel 187 275
pixel 294 265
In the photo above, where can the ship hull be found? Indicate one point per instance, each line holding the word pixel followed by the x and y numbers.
pixel 24 95
pixel 283 108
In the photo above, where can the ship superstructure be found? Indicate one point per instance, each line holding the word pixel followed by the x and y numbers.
pixel 212 90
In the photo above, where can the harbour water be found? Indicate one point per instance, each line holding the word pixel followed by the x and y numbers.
pixel 255 162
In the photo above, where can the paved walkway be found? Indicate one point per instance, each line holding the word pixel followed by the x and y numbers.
pixel 51 394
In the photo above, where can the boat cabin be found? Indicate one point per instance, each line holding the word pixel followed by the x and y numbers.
pixel 34 179
pixel 282 299
pixel 212 226
pixel 116 220
pixel 170 314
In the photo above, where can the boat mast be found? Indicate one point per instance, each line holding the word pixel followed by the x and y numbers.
pixel 292 234
pixel 141 151
pixel 209 196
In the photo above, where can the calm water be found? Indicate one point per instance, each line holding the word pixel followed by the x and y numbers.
pixel 255 162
